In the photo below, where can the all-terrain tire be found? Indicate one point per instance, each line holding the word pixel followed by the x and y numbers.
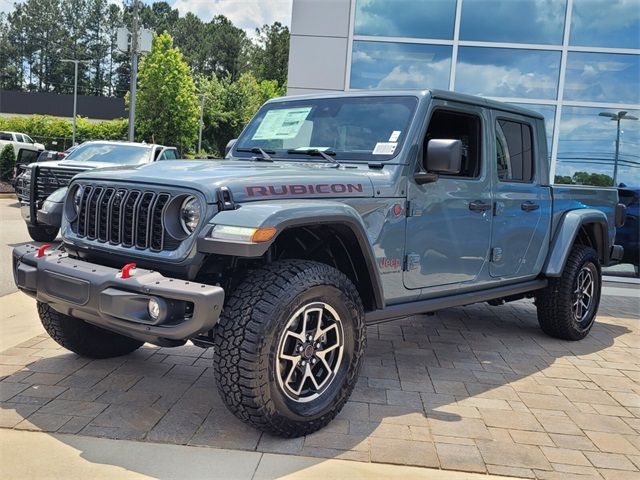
pixel 555 314
pixel 42 234
pixel 83 338
pixel 248 339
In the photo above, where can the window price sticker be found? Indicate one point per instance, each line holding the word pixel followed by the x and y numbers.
pixel 385 148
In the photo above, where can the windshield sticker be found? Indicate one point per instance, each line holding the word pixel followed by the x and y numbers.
pixel 385 148
pixel 395 135
pixel 284 124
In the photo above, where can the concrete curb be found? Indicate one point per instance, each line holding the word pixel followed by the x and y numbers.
pixel 8 195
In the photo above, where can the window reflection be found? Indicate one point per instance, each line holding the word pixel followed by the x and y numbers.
pixel 399 65
pixel 587 146
pixel 549 113
pixel 602 77
pixel 605 23
pixel 495 72
pixel 500 21
pixel 406 18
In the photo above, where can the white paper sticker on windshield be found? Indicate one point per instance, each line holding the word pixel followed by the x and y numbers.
pixel 283 124
pixel 395 135
pixel 385 148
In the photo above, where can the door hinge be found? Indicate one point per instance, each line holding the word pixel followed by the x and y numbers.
pixel 407 208
pixel 496 254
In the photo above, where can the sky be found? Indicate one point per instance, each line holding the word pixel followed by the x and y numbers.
pixel 246 14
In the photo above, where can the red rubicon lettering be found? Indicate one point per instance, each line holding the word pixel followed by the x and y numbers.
pixel 255 191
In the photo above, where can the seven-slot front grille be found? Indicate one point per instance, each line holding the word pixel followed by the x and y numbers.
pixel 122 216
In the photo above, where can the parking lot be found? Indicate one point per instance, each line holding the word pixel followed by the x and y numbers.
pixel 474 389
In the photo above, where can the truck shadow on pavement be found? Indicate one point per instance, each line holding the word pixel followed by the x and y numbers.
pixel 474 388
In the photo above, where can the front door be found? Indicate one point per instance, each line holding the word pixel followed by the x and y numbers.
pixel 449 222
pixel 522 205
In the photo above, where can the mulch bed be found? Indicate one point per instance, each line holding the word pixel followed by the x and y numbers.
pixel 5 187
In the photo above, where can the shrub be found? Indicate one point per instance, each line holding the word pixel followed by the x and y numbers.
pixel 7 162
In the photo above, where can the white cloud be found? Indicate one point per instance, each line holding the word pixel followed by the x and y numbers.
pixel 246 14
pixel 6 6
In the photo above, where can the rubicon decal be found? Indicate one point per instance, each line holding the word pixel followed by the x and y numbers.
pixel 299 189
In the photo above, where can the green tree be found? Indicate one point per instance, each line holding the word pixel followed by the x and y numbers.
pixel 168 109
pixel 7 162
pixel 271 53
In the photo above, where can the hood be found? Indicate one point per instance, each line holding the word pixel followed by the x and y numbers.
pixel 247 180
pixel 62 163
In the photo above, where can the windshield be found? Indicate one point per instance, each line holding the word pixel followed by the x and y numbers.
pixel 347 128
pixel 110 153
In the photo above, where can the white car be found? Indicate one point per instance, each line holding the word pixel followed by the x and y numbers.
pixel 20 141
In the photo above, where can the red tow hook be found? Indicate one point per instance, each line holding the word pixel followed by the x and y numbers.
pixel 126 270
pixel 42 249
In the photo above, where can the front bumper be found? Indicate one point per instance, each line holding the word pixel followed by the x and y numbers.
pixel 99 295
pixel 49 215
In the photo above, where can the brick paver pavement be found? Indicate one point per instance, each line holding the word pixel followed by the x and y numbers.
pixel 477 389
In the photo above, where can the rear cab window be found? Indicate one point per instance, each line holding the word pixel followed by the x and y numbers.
pixel 6 136
pixel 514 151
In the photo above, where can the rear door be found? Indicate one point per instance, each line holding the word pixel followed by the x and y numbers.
pixel 522 206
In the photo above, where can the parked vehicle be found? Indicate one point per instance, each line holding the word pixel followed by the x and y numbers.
pixel 44 156
pixel 19 141
pixel 629 235
pixel 329 213
pixel 41 186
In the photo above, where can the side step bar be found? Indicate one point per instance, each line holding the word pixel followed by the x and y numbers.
pixel 433 304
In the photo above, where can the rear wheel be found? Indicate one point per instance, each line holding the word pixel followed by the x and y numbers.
pixel 567 307
pixel 41 233
pixel 83 338
pixel 289 346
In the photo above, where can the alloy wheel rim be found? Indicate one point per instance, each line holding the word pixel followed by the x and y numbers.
pixel 583 293
pixel 309 352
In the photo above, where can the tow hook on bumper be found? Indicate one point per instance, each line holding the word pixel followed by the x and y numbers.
pixel 144 304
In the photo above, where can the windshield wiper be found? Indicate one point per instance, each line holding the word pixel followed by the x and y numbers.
pixel 264 153
pixel 316 152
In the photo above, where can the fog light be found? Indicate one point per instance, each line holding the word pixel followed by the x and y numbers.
pixel 154 308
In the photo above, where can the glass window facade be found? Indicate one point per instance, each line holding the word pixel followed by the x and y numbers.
pixel 605 23
pixel 507 72
pixel 514 51
pixel 501 21
pixel 406 18
pixel 385 65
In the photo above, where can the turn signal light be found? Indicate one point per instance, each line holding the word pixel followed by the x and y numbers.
pixel 263 234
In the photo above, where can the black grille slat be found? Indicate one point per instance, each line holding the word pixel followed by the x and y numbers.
pixel 142 219
pixel 156 241
pixel 103 214
pixel 128 218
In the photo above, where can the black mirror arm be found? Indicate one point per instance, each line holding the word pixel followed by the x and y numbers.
pixel 425 177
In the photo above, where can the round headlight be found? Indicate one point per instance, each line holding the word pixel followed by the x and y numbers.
pixel 190 214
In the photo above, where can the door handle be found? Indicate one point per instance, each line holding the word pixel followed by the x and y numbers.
pixel 529 206
pixel 479 206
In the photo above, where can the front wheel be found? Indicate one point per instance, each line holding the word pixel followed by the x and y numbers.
pixel 289 345
pixel 567 307
pixel 41 233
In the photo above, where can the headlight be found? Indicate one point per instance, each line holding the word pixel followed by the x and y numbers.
pixel 190 213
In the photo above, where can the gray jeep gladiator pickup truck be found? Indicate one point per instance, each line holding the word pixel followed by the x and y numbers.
pixel 328 213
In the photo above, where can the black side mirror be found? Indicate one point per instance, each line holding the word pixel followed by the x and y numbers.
pixel 444 156
pixel 229 146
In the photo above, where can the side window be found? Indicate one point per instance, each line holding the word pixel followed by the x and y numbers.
pixel 6 136
pixel 28 139
pixel 514 151
pixel 170 155
pixel 458 126
pixel 19 138
pixel 156 154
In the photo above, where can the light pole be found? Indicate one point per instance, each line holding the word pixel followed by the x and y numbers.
pixel 75 94
pixel 202 99
pixel 134 72
pixel 617 117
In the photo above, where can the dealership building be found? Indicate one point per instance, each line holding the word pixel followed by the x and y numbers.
pixel 577 62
